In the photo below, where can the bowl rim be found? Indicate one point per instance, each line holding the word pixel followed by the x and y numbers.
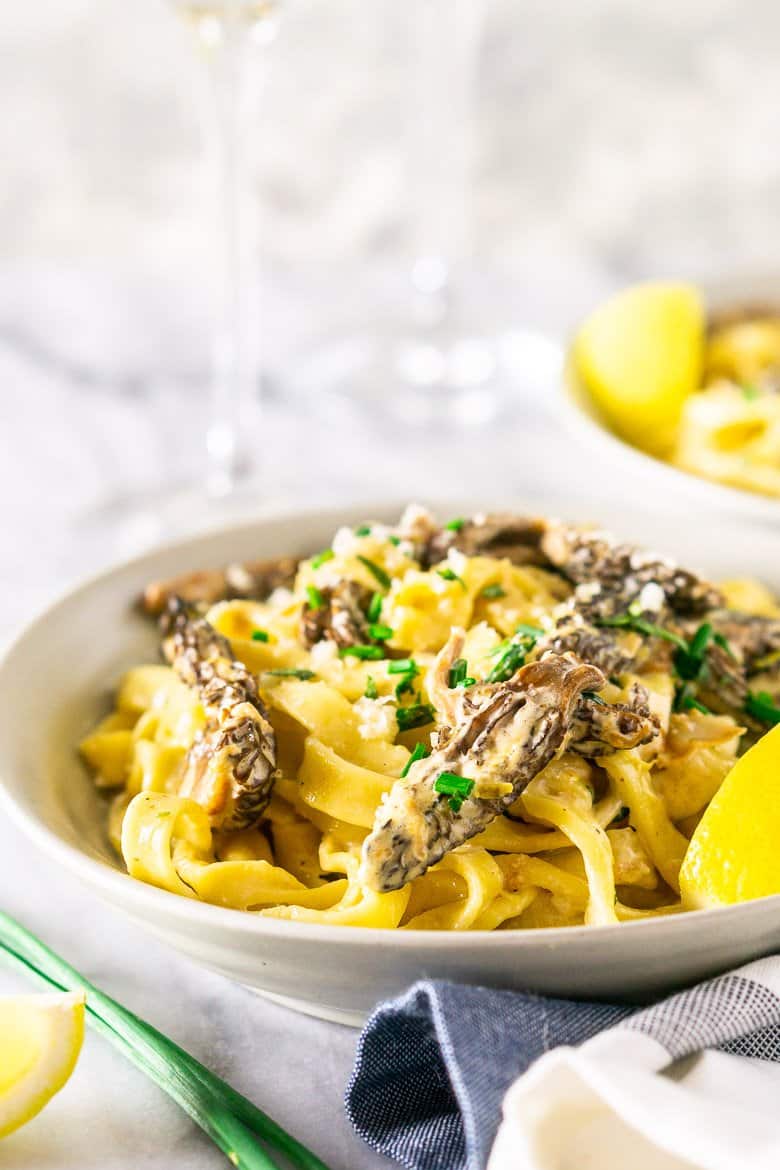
pixel 120 889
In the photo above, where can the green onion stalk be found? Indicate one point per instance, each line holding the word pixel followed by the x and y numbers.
pixel 231 1121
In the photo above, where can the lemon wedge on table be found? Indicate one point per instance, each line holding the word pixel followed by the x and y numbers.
pixel 40 1040
pixel 733 854
pixel 640 355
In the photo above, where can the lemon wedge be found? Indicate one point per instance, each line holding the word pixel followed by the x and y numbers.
pixel 733 855
pixel 640 355
pixel 40 1040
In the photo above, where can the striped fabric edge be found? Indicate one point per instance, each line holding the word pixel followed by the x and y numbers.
pixel 739 1011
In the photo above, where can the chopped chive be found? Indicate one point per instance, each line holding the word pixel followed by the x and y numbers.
pixel 455 525
pixel 402 666
pixel 316 600
pixel 508 664
pixel 363 530
pixel 654 631
pixel 762 706
pixel 493 591
pixel 619 620
pixel 681 694
pixel 450 575
pixel 524 636
pixel 259 636
pixel 450 784
pixel 416 715
pixel 701 640
pixel 750 392
pixel 381 633
pixel 376 571
pixel 408 669
pixel 691 663
pixel 455 803
pixel 361 651
pixel 468 682
pixel 686 666
pixel 405 684
pixel 685 699
pixel 639 625
pixel 292 672
pixel 374 607
pixel 722 641
pixel 457 673
pixel 420 753
pixel 327 554
pixel 395 540
pixel 371 692
pixel 697 706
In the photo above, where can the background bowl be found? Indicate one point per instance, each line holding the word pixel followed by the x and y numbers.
pixel 646 475
pixel 57 680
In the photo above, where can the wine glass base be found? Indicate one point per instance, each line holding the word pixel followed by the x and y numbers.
pixel 465 380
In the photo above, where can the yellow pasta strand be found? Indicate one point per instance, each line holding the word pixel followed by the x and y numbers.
pixel 368 909
pixel 665 844
pixel 330 718
pixel 151 824
pixel 504 907
pixel 483 883
pixel 560 795
pixel 339 788
pixel 252 885
pixel 520 872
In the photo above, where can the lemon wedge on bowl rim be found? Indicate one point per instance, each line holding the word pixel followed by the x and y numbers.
pixel 733 855
pixel 40 1041
pixel 639 356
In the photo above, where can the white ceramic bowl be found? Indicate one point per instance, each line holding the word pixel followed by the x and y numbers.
pixel 642 473
pixel 57 678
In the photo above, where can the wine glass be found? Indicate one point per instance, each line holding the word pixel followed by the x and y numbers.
pixel 227 33
pixel 442 352
pixel 229 37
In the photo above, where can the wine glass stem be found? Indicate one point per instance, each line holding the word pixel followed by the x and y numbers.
pixel 445 51
pixel 235 373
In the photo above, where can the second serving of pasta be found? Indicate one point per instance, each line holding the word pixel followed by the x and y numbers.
pixel 490 723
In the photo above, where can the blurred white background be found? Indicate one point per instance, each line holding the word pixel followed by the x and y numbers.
pixel 614 140
pixel 637 137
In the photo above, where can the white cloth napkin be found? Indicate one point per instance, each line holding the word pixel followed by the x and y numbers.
pixel 691 1082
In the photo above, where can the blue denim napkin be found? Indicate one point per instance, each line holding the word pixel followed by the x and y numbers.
pixel 432 1067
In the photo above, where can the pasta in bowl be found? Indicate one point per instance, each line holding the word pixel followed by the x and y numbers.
pixel 494 723
pixel 93 653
